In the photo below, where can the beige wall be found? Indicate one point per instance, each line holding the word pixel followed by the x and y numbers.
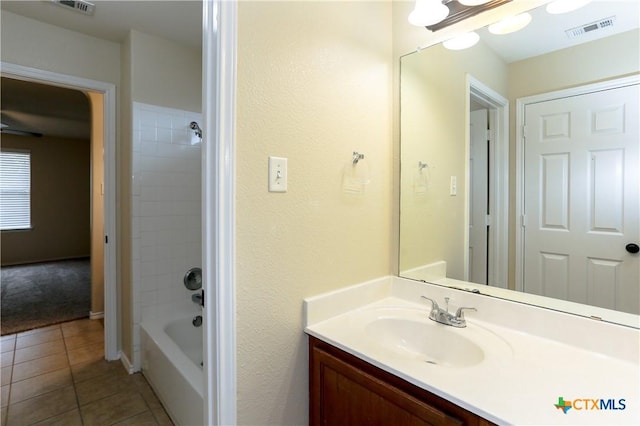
pixel 165 73
pixel 38 45
pixel 314 84
pixel 60 197
pixel 97 202
pixel 434 106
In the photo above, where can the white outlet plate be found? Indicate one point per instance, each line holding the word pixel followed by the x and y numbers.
pixel 277 174
pixel 453 187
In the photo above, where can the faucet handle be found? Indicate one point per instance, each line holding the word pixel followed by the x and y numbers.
pixel 460 312
pixel 434 304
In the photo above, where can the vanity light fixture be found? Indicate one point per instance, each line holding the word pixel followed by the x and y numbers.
pixel 563 6
pixel 510 24
pixel 462 41
pixel 428 12
pixel 472 2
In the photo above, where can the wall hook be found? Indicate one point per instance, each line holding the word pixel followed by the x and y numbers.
pixel 422 165
pixel 357 157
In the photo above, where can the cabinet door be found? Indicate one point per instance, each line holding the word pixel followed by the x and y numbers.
pixel 343 394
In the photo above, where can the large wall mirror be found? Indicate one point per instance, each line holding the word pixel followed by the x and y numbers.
pixel 519 162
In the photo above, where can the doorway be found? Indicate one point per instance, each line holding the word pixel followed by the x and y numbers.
pixel 579 200
pixel 487 183
pixel 47 256
pixel 103 96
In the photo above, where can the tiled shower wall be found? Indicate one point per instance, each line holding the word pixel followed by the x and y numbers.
pixel 166 203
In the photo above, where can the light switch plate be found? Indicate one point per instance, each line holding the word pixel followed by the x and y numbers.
pixel 453 187
pixel 277 174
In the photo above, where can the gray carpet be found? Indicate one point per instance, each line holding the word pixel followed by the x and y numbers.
pixel 42 294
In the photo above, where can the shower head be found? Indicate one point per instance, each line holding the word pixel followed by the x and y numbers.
pixel 196 128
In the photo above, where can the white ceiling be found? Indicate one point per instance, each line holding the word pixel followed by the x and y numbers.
pixel 546 32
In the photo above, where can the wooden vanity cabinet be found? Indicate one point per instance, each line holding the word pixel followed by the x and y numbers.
pixel 345 390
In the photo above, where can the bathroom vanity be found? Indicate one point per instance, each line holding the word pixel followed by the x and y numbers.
pixel 375 357
pixel 345 390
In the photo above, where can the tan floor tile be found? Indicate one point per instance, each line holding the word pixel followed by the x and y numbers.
pixel 81 326
pixel 97 388
pixel 41 384
pixel 7 345
pixel 84 339
pixel 38 351
pixel 39 330
pixel 3 418
pixel 38 338
pixel 90 353
pixel 42 407
pixel 92 369
pixel 70 418
pixel 4 395
pixel 6 359
pixel 143 419
pixel 153 402
pixel 5 374
pixel 113 409
pixel 39 366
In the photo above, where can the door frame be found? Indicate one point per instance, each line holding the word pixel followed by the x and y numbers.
pixel 108 91
pixel 219 53
pixel 498 182
pixel 521 104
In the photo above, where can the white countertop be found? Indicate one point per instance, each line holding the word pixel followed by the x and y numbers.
pixel 533 356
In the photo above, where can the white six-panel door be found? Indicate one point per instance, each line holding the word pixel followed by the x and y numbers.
pixel 581 198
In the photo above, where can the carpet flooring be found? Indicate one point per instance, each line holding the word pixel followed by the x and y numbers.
pixel 42 294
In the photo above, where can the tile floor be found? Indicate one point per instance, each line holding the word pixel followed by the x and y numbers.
pixel 57 376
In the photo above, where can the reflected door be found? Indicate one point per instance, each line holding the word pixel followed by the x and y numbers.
pixel 479 195
pixel 581 198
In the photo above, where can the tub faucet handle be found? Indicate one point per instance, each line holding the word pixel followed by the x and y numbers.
pixel 198 298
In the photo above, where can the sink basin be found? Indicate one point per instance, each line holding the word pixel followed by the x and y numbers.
pixel 425 341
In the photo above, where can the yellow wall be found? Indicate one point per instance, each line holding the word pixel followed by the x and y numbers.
pixel 314 84
pixel 60 197
pixel 434 107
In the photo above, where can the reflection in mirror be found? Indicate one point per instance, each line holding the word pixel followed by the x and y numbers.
pixel 475 211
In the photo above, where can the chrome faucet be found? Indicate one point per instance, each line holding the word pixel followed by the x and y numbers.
pixel 443 316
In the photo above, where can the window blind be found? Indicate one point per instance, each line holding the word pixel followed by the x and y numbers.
pixel 15 190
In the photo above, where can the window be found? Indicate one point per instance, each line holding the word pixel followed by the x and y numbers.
pixel 15 190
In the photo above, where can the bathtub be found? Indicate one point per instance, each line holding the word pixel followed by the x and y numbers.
pixel 171 362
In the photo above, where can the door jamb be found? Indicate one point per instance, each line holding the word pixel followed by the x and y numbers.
pixel 521 104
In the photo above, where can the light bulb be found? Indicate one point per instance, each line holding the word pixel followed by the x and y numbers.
pixel 510 24
pixel 428 12
pixel 563 6
pixel 463 41
pixel 472 2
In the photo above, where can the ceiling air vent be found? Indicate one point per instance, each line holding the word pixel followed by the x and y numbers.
pixel 81 6
pixel 593 26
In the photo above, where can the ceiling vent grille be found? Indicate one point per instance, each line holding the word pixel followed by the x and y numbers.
pixel 81 6
pixel 592 26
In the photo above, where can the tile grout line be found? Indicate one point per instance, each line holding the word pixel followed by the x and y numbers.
pixel 73 382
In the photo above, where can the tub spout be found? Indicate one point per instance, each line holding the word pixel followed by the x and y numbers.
pixel 197 321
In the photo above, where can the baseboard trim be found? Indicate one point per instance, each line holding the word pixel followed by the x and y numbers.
pixel 96 315
pixel 126 363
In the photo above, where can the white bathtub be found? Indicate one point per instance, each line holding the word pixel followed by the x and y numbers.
pixel 171 362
